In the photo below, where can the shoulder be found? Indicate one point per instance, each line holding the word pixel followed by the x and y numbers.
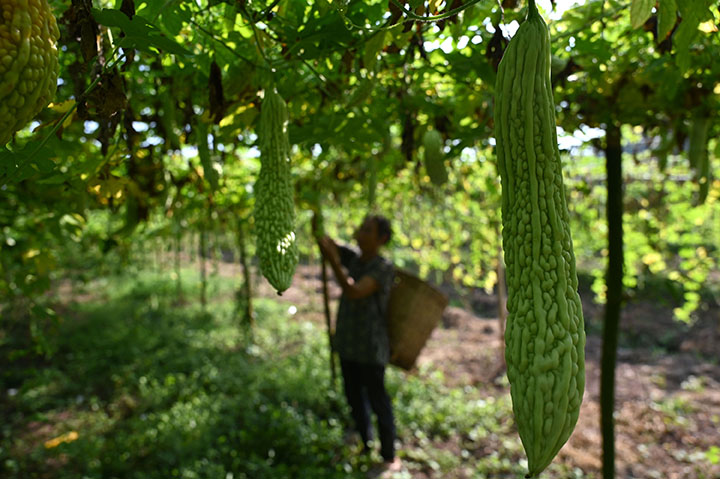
pixel 347 255
pixel 348 250
pixel 383 267
pixel 384 263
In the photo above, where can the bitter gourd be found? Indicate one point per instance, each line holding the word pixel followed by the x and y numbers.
pixel 274 204
pixel 209 171
pixel 697 139
pixel 167 119
pixel 28 62
pixel 698 154
pixel 435 157
pixel 545 337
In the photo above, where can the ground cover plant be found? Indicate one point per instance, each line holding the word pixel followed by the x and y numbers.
pixel 162 162
pixel 141 385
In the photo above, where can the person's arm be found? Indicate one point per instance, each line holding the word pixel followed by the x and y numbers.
pixel 365 285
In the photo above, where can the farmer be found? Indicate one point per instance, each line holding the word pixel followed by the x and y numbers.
pixel 361 336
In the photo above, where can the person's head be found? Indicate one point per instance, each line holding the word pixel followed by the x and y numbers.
pixel 374 232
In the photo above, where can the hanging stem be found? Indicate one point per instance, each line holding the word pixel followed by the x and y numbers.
pixel 230 49
pixel 433 18
pixel 532 8
pixel 259 46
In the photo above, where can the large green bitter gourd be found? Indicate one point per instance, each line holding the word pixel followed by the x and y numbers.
pixel 28 62
pixel 274 204
pixel 545 336
pixel 433 144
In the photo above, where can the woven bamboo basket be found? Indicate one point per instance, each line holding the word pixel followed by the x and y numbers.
pixel 414 310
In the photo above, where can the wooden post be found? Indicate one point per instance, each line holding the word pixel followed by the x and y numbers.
pixel 178 280
pixel 613 304
pixel 248 319
pixel 328 322
pixel 203 266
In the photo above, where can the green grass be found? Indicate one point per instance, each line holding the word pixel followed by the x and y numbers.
pixel 142 387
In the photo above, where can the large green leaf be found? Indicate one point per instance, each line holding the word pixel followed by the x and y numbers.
pixel 640 11
pixel 667 16
pixel 139 32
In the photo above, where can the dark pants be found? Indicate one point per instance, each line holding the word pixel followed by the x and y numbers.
pixel 365 389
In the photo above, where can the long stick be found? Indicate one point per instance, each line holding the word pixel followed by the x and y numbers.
pixel 613 305
pixel 178 278
pixel 203 266
pixel 326 301
pixel 247 286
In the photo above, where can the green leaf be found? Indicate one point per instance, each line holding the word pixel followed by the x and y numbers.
pixel 372 48
pixel 683 37
pixel 146 43
pixel 140 32
pixel 640 11
pixel 172 22
pixel 693 12
pixel 713 455
pixel 667 16
pixel 113 18
pixel 18 165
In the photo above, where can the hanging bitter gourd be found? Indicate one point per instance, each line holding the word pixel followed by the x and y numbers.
pixel 545 337
pixel 697 139
pixel 28 62
pixel 274 204
pixel 698 154
pixel 433 144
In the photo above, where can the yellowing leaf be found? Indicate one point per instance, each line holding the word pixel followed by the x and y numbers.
pixel 490 281
pixel 67 437
pixel 63 106
pixel 708 27
pixel 31 253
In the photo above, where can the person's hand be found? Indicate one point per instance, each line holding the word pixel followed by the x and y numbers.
pixel 329 249
pixel 316 224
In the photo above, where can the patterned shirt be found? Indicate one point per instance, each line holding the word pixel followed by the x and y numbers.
pixel 361 333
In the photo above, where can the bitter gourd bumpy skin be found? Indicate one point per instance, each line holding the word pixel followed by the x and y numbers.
pixel 28 62
pixel 545 336
pixel 274 204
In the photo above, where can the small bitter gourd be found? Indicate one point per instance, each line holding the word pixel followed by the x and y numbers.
pixel 167 117
pixel 435 157
pixel 698 154
pixel 28 62
pixel 697 139
pixel 274 204
pixel 545 337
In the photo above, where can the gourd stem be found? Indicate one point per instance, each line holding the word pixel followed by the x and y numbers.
pixel 532 8
pixel 412 16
